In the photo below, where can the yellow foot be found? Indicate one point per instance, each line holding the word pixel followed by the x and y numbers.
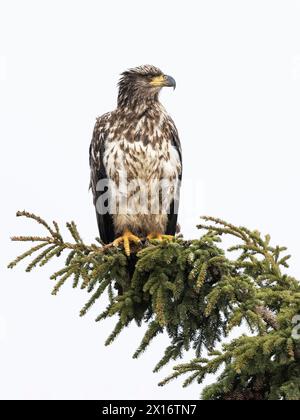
pixel 126 238
pixel 160 237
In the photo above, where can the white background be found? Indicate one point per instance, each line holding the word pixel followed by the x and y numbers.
pixel 237 104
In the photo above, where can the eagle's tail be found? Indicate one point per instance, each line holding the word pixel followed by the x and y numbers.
pixel 132 260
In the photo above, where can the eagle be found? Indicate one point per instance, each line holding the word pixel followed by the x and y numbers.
pixel 136 163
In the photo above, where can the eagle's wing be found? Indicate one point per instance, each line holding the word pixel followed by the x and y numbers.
pixel 173 212
pixel 98 173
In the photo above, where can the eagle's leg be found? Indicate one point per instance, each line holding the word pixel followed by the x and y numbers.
pixel 126 238
pixel 159 236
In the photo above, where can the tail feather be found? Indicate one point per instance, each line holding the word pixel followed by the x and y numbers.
pixel 132 260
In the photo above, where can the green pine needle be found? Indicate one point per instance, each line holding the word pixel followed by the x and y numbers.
pixel 196 294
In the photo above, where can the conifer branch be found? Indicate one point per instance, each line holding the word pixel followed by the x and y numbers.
pixel 267 316
pixel 194 292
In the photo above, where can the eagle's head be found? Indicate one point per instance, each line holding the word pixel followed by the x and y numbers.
pixel 141 84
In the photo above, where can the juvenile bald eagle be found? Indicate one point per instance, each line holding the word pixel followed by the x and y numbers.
pixel 136 164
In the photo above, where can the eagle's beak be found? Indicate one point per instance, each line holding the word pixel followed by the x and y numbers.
pixel 170 81
pixel 163 80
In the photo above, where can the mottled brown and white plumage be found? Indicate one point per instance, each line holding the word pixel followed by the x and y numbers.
pixel 137 142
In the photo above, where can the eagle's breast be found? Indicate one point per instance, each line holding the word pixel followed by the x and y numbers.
pixel 140 161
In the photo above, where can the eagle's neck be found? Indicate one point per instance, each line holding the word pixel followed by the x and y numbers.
pixel 141 109
pixel 138 105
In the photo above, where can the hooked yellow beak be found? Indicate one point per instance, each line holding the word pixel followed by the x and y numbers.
pixel 163 80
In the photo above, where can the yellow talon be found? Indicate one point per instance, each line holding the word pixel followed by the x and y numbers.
pixel 160 237
pixel 126 238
